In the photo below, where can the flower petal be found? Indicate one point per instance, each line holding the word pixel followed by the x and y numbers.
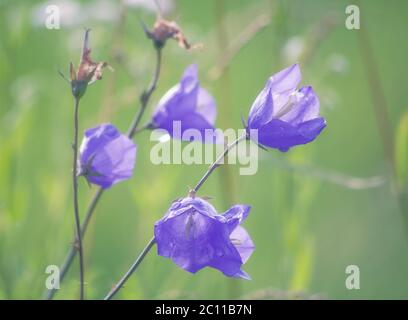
pixel 262 109
pixel 206 106
pixel 189 80
pixel 242 242
pixel 198 126
pixel 286 80
pixel 281 135
pixel 305 108
pixel 242 275
pixel 115 162
pixel 274 96
pixel 106 156
pixel 182 98
pixel 312 128
pixel 190 105
pixel 227 260
pixel 236 215
pixel 96 138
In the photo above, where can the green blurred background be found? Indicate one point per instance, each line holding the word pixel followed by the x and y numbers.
pixel 315 210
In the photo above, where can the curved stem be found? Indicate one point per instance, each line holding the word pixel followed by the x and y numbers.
pixel 132 269
pixel 72 251
pixel 78 241
pixel 143 128
pixel 152 241
pixel 145 96
pixel 144 99
pixel 217 163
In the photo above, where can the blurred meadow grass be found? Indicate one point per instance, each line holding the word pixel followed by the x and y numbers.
pixel 315 209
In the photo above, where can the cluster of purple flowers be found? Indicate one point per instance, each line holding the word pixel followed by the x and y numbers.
pixel 192 233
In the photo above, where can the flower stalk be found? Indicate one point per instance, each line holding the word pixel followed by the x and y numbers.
pixel 145 96
pixel 78 241
pixel 132 269
pixel 217 163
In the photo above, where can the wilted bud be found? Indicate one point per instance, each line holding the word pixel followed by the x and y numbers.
pixel 78 87
pixel 88 71
pixel 164 30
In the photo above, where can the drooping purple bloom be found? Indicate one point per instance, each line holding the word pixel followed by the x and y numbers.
pixel 194 236
pixel 284 115
pixel 106 156
pixel 191 106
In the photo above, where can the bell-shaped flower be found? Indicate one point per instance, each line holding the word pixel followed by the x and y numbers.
pixel 283 115
pixel 194 236
pixel 106 156
pixel 184 107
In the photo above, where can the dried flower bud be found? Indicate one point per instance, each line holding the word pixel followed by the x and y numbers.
pixel 88 70
pixel 164 30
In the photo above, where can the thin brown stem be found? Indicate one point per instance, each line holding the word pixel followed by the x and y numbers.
pixel 132 269
pixel 78 241
pixel 217 163
pixel 144 98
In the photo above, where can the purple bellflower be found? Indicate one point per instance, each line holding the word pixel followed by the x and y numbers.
pixel 194 236
pixel 283 115
pixel 106 156
pixel 187 105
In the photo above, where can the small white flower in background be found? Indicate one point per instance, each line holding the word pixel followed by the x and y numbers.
pixel 103 10
pixel 164 7
pixel 338 63
pixel 329 98
pixel 293 49
pixel 24 89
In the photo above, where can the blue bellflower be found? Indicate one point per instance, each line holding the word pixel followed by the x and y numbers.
pixel 194 236
pixel 106 156
pixel 284 115
pixel 187 103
